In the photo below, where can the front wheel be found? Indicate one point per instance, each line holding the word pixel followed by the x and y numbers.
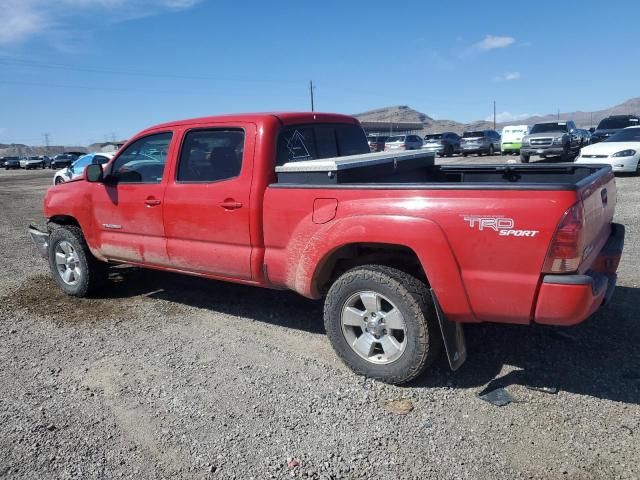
pixel 59 180
pixel 72 265
pixel 491 150
pixel 524 158
pixel 382 323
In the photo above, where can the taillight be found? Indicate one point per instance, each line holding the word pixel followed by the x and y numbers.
pixel 565 252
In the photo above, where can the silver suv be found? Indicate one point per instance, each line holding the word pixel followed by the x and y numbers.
pixel 480 142
pixel 403 142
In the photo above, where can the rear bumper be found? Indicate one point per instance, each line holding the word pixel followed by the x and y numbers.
pixel 40 240
pixel 566 300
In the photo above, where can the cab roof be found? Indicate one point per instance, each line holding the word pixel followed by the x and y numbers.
pixel 284 118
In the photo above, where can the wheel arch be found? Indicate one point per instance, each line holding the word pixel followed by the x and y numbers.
pixel 414 245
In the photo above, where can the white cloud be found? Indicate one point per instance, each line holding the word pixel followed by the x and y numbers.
pixel 504 117
pixel 507 77
pixel 24 19
pixel 491 41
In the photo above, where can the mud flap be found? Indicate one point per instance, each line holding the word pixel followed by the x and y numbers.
pixel 453 337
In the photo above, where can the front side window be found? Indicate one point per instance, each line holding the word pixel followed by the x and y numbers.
pixel 211 155
pixel 143 161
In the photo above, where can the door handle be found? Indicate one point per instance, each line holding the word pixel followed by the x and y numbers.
pixel 152 202
pixel 230 204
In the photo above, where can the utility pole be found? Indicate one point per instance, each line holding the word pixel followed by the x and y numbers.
pixel 591 121
pixel 113 137
pixel 46 143
pixel 494 114
pixel 558 117
pixel 311 87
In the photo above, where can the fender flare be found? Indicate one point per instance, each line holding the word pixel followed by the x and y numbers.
pixel 424 237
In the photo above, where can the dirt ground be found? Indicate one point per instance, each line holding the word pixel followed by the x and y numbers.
pixel 165 376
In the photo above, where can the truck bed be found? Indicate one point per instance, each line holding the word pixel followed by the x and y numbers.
pixel 416 170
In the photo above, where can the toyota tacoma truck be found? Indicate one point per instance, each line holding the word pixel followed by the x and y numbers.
pixel 403 251
pixel 551 138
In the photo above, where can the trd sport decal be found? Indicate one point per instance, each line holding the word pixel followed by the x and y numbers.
pixel 502 225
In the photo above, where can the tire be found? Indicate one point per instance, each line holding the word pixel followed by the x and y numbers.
pixel 416 345
pixel 566 153
pixel 524 158
pixel 491 150
pixel 464 154
pixel 638 168
pixel 59 181
pixel 88 274
pixel 448 151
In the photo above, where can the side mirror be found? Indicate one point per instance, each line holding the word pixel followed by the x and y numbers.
pixel 93 173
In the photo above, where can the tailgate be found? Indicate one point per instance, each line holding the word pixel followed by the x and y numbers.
pixel 599 202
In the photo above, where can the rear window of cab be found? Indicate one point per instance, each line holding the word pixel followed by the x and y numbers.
pixel 310 142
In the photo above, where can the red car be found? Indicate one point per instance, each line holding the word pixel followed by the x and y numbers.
pixel 404 252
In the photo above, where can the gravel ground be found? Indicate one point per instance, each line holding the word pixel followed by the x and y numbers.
pixel 174 377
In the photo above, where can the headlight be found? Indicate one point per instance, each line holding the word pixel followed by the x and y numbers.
pixel 557 140
pixel 525 141
pixel 624 153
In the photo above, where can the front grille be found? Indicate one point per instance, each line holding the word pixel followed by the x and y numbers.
pixel 541 142
pixel 595 156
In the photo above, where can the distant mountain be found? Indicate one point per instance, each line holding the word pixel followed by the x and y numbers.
pixel 585 119
pixel 399 113
pixel 404 113
pixel 20 150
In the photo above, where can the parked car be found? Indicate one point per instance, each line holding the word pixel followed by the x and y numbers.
pixel 445 144
pixel 585 136
pixel 621 151
pixel 31 162
pixel 11 163
pixel 1 162
pixel 272 210
pixel 551 138
pixel 403 142
pixel 612 125
pixel 47 161
pixel 64 159
pixel 511 138
pixel 376 142
pixel 480 142
pixel 76 169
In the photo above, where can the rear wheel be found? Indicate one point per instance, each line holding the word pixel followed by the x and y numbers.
pixel 382 323
pixel 72 265
pixel 464 154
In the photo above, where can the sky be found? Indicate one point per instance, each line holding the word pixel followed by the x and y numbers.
pixel 87 71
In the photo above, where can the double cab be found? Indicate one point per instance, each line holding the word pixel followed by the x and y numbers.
pixel 403 251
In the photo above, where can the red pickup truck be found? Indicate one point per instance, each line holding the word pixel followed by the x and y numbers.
pixel 403 251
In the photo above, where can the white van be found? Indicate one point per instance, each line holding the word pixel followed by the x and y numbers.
pixel 512 138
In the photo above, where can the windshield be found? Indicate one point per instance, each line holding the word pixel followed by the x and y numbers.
pixel 395 139
pixel 626 135
pixel 549 127
pixel 617 123
pixel 472 134
pixel 434 136
pixel 82 162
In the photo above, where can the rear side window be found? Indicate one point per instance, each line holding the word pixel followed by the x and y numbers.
pixel 211 155
pixel 310 142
